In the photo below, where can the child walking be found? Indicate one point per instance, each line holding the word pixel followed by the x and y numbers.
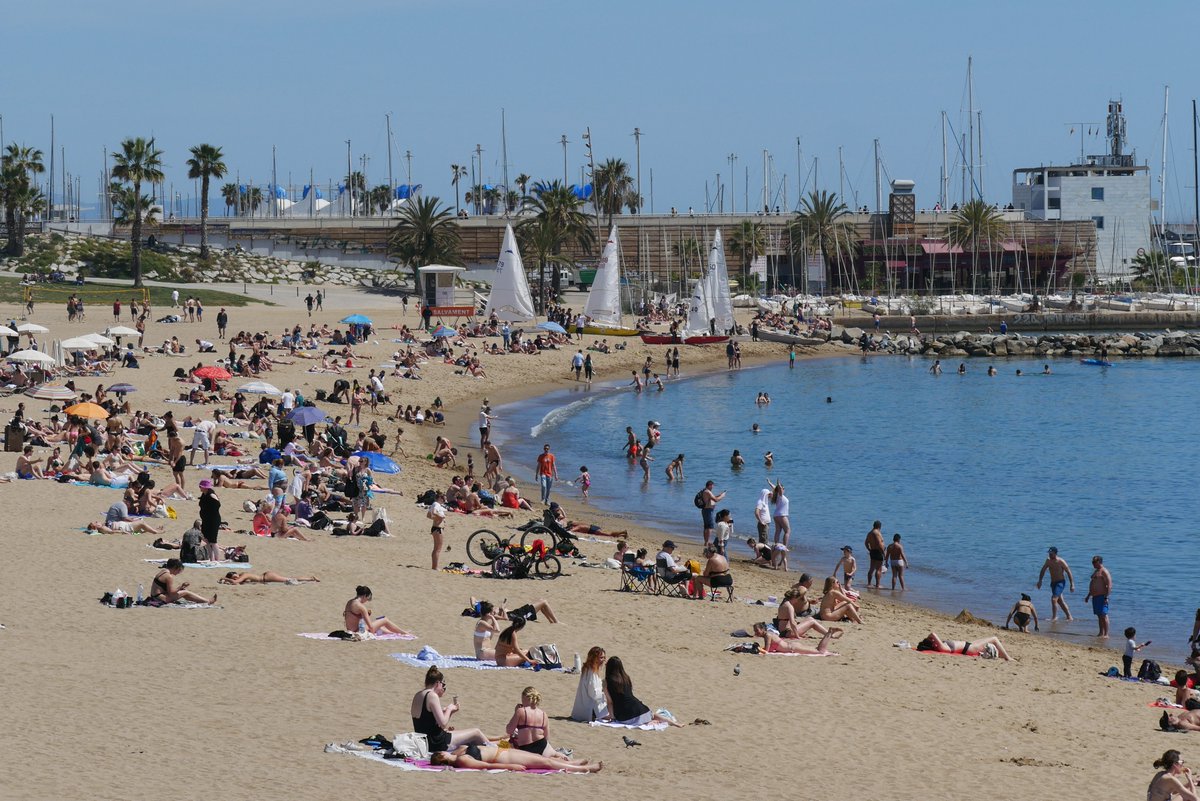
pixel 585 480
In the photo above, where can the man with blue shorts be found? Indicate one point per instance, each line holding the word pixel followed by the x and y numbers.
pixel 708 512
pixel 1060 574
pixel 1099 590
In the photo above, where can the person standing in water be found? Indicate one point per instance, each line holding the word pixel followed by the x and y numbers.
pixel 1099 589
pixel 895 555
pixel 1060 573
pixel 874 544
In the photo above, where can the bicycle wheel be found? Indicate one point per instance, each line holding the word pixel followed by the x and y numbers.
pixel 539 532
pixel 484 546
pixel 548 568
pixel 505 566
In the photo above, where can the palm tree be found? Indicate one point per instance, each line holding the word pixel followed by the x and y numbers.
pixel 491 197
pixel 457 171
pixel 523 181
pixel 426 233
pixel 21 198
pixel 232 198
pixel 820 226
pixel 137 162
pixel 611 184
pixel 634 201
pixel 747 242
pixel 381 198
pixel 512 200
pixel 207 162
pixel 976 223
pixel 130 207
pixel 558 221
pixel 252 198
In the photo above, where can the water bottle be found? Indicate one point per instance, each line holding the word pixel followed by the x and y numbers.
pixel 139 595
pixel 578 664
pixel 362 626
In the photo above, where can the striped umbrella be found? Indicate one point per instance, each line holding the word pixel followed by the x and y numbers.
pixel 55 392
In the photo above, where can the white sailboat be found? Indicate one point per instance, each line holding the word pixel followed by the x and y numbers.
pixel 711 308
pixel 510 299
pixel 603 308
pixel 718 286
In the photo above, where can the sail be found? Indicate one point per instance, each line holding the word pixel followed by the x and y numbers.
pixel 510 299
pixel 604 300
pixel 700 312
pixel 718 287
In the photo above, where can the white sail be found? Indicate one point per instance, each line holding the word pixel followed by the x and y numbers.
pixel 700 312
pixel 510 299
pixel 604 299
pixel 718 286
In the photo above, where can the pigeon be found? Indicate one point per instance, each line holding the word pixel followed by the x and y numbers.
pixel 737 669
pixel 629 743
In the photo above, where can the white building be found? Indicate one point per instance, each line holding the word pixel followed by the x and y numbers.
pixel 1110 189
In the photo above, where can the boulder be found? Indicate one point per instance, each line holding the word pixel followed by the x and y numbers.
pixel 852 334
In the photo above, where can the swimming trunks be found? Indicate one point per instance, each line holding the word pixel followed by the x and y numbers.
pixel 876 554
pixel 1057 587
pixel 1100 604
pixel 709 518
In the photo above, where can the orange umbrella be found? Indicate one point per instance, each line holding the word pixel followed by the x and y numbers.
pixel 215 373
pixel 90 410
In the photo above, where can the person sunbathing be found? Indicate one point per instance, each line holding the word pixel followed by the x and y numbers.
pixel 774 644
pixel 125 527
pixel 266 577
pixel 972 648
pixel 163 587
pixel 836 605
pixel 281 528
pixel 221 478
pixel 491 757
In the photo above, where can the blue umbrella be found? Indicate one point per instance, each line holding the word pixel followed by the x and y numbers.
pixel 443 331
pixel 552 326
pixel 307 415
pixel 378 461
pixel 357 319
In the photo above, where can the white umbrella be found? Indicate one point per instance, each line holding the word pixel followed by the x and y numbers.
pixel 5 331
pixel 32 328
pixel 79 343
pixel 52 392
pixel 35 356
pixel 121 331
pixel 259 388
pixel 99 339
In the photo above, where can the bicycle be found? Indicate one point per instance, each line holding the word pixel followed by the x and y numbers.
pixel 508 560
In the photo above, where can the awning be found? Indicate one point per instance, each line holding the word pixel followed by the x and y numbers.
pixel 1011 246
pixel 937 247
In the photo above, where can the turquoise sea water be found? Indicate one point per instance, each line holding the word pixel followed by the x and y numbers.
pixel 979 474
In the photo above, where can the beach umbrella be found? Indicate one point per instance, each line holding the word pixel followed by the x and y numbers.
pixel 5 331
pixel 442 331
pixel 378 461
pixel 99 339
pixel 307 415
pixel 89 410
pixel 35 356
pixel 56 392
pixel 259 388
pixel 121 389
pixel 32 328
pixel 357 319
pixel 79 343
pixel 213 372
pixel 549 325
pixel 121 331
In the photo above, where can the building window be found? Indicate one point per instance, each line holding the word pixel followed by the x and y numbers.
pixel 1097 193
pixel 1054 203
pixel 1099 221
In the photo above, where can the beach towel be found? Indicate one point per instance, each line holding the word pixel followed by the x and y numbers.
pixel 1163 703
pixel 121 485
pixel 423 764
pixel 446 662
pixel 827 653
pixel 207 565
pixel 321 635
pixel 612 724
pixel 181 605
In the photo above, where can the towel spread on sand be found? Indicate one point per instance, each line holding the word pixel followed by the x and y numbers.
pixel 612 724
pixel 322 635
pixel 1163 704
pixel 207 565
pixel 424 764
pixel 446 662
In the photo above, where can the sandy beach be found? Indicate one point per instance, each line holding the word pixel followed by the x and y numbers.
pixel 230 703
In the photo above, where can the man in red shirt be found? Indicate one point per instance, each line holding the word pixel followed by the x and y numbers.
pixel 547 472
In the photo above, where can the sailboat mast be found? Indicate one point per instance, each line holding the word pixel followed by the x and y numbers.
pixel 1162 202
pixel 878 184
pixel 391 182
pixel 1195 186
pixel 944 184
pixel 504 157
pixel 971 126
pixel 841 175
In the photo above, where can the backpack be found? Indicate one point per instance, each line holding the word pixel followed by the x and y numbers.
pixel 699 499
pixel 1149 671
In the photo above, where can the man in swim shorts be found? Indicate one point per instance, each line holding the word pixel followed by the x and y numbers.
pixel 874 544
pixel 1099 588
pixel 1060 574
pixel 708 510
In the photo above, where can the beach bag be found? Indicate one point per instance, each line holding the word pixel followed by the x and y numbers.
pixel 989 651
pixel 699 499
pixel 546 655
pixel 411 745
pixel 1149 671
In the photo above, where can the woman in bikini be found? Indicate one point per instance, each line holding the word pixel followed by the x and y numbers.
pixel 972 648
pixel 487 625
pixel 266 577
pixel 508 651
pixel 836 605
pixel 529 728
pixel 163 587
pixel 491 757
pixel 774 644
pixel 1172 780
pixel 220 478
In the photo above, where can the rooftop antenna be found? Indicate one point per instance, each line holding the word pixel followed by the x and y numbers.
pixel 1082 127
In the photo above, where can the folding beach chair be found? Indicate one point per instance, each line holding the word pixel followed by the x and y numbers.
pixel 637 579
pixel 670 583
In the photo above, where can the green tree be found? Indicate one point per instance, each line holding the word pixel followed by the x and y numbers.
pixel 137 162
pixel 132 208
pixel 690 253
pixel 22 199
pixel 539 242
pixel 747 242
pixel 612 183
pixel 821 226
pixel 426 233
pixel 207 162
pixel 232 198
pixel 974 226
pixel 381 198
pixel 559 211
pixel 634 201
pixel 523 181
pixel 457 172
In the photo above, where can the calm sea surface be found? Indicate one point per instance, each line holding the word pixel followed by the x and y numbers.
pixel 979 474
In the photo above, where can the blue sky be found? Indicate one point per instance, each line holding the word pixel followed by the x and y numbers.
pixel 700 79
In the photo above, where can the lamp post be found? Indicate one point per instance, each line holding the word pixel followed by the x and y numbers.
pixel 732 159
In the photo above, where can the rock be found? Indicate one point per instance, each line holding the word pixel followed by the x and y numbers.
pixel 965 616
pixel 1000 347
pixel 1171 349
pixel 852 334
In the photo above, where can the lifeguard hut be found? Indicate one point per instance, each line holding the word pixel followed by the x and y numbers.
pixel 439 294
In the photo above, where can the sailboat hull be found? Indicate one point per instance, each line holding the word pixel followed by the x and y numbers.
pixel 610 330
pixel 667 339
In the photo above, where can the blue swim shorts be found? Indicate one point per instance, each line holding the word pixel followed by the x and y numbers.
pixel 1100 604
pixel 1057 587
pixel 709 518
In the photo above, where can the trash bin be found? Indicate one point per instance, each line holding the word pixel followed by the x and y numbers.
pixel 14 439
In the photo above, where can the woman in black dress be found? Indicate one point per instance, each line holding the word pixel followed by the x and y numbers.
pixel 210 517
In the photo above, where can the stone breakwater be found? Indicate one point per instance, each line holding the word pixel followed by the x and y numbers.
pixel 964 344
